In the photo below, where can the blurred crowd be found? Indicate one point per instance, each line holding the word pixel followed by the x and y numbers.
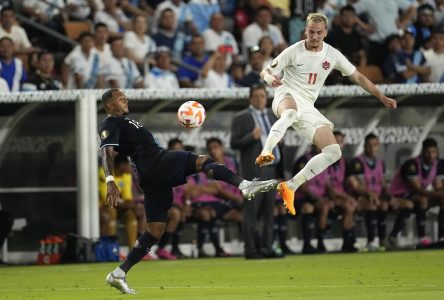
pixel 208 43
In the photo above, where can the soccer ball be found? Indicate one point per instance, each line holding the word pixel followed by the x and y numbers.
pixel 191 114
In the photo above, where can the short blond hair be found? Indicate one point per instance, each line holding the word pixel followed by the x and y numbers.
pixel 317 18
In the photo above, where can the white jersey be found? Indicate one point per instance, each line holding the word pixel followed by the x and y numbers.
pixel 305 71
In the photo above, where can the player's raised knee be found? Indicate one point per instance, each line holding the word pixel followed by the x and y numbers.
pixel 333 152
pixel 290 114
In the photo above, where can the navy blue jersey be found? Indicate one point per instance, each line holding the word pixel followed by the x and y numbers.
pixel 130 138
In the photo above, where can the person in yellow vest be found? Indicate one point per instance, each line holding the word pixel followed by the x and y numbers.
pixel 108 215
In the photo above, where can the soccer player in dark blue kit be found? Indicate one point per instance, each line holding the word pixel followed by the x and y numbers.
pixel 158 170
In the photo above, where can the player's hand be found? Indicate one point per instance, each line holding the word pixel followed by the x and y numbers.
pixel 273 81
pixel 112 195
pixel 389 102
pixel 256 133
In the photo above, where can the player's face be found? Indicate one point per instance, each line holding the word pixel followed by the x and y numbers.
pixel 429 155
pixel 371 147
pixel 259 99
pixel 119 105
pixel 315 32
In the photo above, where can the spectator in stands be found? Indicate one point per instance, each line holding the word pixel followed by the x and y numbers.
pixel 202 10
pixel 213 74
pixel 138 45
pixel 162 76
pixel 123 73
pixel 343 202
pixel 182 14
pixel 410 64
pixel 237 72
pixel 6 222
pixel 262 27
pixel 197 58
pixel 249 129
pixel 256 61
pixel 439 13
pixel 218 39
pixel 83 67
pixel 43 78
pixel 134 8
pixel 11 68
pixel 108 215
pixel 114 18
pixel 346 38
pixel 312 199
pixel 393 46
pixel 416 185
pixel 50 13
pixel 267 50
pixel 423 27
pixel 384 16
pixel 168 35
pixel 101 36
pixel 80 10
pixel 368 184
pixel 17 34
pixel 435 56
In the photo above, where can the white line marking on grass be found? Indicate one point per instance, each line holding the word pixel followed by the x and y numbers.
pixel 229 287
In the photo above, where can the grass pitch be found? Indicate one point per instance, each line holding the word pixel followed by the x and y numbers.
pixel 391 275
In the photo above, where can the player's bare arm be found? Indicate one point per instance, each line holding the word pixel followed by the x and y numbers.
pixel 270 79
pixel 415 184
pixel 367 85
pixel 112 193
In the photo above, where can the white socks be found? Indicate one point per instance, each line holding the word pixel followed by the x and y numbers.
pixel 277 131
pixel 118 272
pixel 318 163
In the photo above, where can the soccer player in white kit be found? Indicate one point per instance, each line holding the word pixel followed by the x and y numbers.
pixel 306 64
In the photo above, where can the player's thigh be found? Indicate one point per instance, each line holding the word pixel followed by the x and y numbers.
pixel 157 204
pixel 315 127
pixel 286 103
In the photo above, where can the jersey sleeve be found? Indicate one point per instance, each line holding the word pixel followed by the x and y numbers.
pixel 109 133
pixel 281 61
pixel 344 65
pixel 356 168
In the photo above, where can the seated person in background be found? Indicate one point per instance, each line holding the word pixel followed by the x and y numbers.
pixel 114 18
pixel 213 73
pixel 108 215
pixel 368 184
pixel 417 185
pixel 237 72
pixel 218 39
pixel 139 45
pixel 311 199
pixel 123 72
pixel 435 56
pixel 393 45
pixel 343 202
pixel 256 61
pixel 11 68
pixel 197 59
pixel 17 34
pixel 162 75
pixel 43 78
pixel 83 67
pixel 202 12
pixel 410 64
pixel 168 35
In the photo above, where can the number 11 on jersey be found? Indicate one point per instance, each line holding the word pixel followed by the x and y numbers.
pixel 312 78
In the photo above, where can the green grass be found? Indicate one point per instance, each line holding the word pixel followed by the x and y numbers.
pixel 392 275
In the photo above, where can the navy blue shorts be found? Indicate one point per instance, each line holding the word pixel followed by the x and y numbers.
pixel 158 191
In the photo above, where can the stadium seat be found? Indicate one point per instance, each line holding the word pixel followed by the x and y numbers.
pixel 373 72
pixel 75 28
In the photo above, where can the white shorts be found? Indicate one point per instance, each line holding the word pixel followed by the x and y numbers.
pixel 309 118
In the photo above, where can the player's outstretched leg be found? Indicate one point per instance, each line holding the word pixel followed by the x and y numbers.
pixel 277 131
pixel 314 166
pixel 220 172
